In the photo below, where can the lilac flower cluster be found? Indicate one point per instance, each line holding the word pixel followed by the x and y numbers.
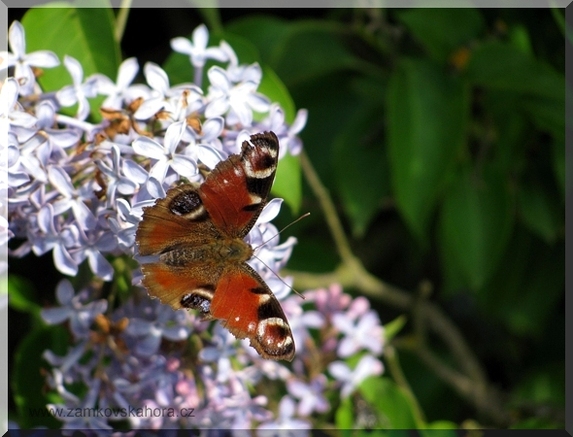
pixel 77 188
pixel 137 368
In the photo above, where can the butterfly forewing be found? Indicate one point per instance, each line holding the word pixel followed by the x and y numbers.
pixel 235 192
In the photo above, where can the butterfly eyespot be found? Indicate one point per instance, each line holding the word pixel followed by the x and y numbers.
pixel 199 299
pixel 188 204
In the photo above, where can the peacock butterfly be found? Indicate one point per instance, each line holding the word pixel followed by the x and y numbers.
pixel 197 237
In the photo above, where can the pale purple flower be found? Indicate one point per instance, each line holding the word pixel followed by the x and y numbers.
pixel 166 323
pixel 198 51
pixel 285 424
pixel 79 91
pixel 120 92
pixel 352 378
pixel 358 308
pixel 84 421
pixel 58 239
pixel 301 321
pixel 363 333
pixel 330 301
pixel 91 246
pixel 236 101
pixel 69 362
pixel 178 101
pixel 165 154
pixel 206 147
pixel 46 118
pixel 22 61
pixel 115 180
pixel 287 135
pixel 223 348
pixel 311 395
pixel 70 198
pixel 11 113
pixel 30 161
pixel 71 308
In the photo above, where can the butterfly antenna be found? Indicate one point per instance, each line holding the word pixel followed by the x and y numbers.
pixel 283 229
pixel 266 242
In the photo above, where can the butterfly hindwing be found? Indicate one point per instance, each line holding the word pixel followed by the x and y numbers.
pixel 249 309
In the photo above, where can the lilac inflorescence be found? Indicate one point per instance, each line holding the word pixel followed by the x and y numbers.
pixel 77 188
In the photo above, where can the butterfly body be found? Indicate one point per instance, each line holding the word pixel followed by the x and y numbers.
pixel 197 235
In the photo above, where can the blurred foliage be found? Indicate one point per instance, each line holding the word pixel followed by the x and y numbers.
pixel 440 135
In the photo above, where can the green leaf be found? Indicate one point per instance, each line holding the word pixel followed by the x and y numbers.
pixel 545 384
pixel 560 164
pixel 441 31
pixel 445 425
pixel 313 49
pixel 393 328
pixel 83 33
pixel 274 88
pixel 502 66
pixel 540 212
pixel 525 291
pixel 476 221
pixel 288 184
pixel 22 296
pixel 361 167
pixel 393 405
pixel 519 36
pixel 27 379
pixel 427 119
pixel 344 416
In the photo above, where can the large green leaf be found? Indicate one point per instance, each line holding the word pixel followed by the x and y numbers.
pixel 441 31
pixel 427 120
pixel 361 166
pixel 503 66
pixel 84 33
pixel 313 49
pixel 476 221
pixel 288 183
pixel 394 407
pixel 541 212
pixel 22 295
pixel 527 286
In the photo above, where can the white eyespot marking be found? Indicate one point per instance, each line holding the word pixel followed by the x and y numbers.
pixel 197 212
pixel 285 342
pixel 203 292
pixel 255 199
pixel 264 298
pixel 262 330
pixel 271 151
pixel 251 327
pixel 200 299
pixel 237 318
pixel 258 174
